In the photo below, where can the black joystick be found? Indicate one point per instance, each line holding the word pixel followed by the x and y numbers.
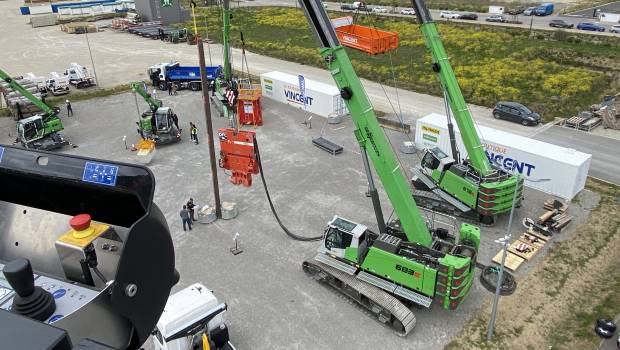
pixel 31 301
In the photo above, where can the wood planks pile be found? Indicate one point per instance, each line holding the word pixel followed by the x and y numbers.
pixel 539 232
pixel 555 217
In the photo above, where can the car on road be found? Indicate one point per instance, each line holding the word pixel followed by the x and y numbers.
pixel 591 26
pixel 515 112
pixel 496 18
pixel 560 23
pixel 516 11
pixel 615 28
pixel 469 16
pixel 407 12
pixel 529 11
pixel 348 7
pixel 379 9
pixel 449 14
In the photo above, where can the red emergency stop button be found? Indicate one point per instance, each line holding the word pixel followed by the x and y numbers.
pixel 80 222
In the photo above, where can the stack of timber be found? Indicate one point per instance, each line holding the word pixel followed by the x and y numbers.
pixel 610 112
pixel 539 232
pixel 555 217
pixel 78 28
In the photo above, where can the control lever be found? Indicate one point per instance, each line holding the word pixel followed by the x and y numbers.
pixel 31 301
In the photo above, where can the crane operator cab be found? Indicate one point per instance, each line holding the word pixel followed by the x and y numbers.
pixel 34 133
pixel 159 125
pixel 435 162
pixel 86 256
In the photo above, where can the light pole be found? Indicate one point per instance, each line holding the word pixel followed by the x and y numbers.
pixel 91 57
pixel 505 243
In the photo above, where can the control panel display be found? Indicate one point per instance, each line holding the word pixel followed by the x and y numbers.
pixel 100 173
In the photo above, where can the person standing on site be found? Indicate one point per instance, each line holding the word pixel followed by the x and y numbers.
pixel 194 132
pixel 190 207
pixel 169 89
pixel 187 222
pixel 69 109
pixel 175 87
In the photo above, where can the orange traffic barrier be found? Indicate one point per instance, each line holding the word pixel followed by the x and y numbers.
pixel 370 40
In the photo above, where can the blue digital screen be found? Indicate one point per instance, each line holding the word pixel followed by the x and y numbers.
pixel 104 174
pixel 1 153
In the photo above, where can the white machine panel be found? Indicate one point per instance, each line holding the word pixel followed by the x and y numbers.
pixel 68 296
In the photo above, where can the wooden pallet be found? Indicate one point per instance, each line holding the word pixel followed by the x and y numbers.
pixel 513 262
pixel 527 255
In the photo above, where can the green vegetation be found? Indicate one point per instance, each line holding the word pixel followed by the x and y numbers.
pixel 556 73
pixel 5 112
pixel 557 304
pixel 87 94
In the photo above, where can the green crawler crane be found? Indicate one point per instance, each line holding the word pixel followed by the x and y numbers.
pixel 405 262
pixel 475 188
pixel 39 131
pixel 158 123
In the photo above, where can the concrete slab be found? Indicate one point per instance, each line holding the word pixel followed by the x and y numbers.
pixel 272 304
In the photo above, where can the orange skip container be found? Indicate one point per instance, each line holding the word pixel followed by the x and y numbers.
pixel 370 40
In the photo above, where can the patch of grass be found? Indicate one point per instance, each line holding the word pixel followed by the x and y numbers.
pixel 572 326
pixel 556 76
pixel 585 4
pixel 5 112
pixel 87 94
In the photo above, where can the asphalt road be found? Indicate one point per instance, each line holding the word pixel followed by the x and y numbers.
pixel 611 7
pixel 533 21
pixel 604 165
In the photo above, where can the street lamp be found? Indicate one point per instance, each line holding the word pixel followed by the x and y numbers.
pixel 505 242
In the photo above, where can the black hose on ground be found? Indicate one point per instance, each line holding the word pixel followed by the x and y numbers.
pixel 273 209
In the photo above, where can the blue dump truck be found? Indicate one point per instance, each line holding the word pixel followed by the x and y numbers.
pixel 544 9
pixel 186 77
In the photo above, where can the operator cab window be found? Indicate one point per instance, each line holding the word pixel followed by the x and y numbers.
pixel 337 239
pixel 430 160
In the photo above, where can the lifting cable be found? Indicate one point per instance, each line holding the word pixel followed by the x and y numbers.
pixel 273 209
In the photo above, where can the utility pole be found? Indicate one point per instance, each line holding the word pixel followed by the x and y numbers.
pixel 207 107
pixel 91 57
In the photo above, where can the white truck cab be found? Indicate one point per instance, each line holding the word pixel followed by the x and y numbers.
pixel 188 315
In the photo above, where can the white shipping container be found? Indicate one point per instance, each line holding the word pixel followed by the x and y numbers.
pixel 321 99
pixel 609 17
pixel 566 168
pixel 496 10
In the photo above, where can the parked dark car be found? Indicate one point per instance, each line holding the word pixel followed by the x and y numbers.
pixel 595 27
pixel 469 16
pixel 348 7
pixel 515 112
pixel 560 23
pixel 496 18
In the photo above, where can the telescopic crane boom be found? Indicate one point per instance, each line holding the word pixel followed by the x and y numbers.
pixel 39 131
pixel 408 263
pixel 475 189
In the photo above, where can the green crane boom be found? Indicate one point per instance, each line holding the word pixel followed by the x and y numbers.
pixel 47 110
pixel 226 15
pixel 368 132
pixel 140 89
pixel 441 65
